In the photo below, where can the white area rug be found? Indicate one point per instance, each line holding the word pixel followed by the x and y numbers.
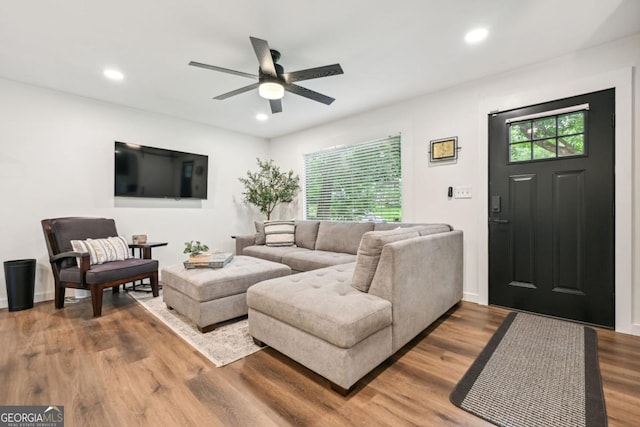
pixel 226 344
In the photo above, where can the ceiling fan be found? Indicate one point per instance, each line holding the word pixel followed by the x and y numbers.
pixel 273 81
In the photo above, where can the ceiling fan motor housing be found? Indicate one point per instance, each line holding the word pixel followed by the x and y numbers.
pixel 262 77
pixel 275 55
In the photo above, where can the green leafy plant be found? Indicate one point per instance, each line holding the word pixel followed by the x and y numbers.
pixel 268 187
pixel 196 248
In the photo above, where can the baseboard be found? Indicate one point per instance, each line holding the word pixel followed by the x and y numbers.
pixel 634 329
pixel 470 297
pixel 38 297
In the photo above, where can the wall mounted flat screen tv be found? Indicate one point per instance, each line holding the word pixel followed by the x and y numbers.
pixel 155 172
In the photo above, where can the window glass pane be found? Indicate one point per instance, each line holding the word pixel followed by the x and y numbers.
pixel 571 145
pixel 520 152
pixel 549 137
pixel 571 123
pixel 519 132
pixel 544 149
pixel 355 182
pixel 544 128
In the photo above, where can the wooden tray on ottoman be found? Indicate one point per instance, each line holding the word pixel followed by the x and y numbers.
pixel 217 260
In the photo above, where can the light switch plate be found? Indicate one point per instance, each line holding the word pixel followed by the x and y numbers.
pixel 461 192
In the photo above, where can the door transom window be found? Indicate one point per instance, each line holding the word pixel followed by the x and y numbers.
pixel 550 135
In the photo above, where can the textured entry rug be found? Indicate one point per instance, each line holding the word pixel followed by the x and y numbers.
pixel 536 371
pixel 225 344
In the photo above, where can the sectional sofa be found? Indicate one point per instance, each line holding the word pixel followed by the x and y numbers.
pixel 363 291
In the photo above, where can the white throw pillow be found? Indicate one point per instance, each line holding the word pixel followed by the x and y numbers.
pixel 103 250
pixel 279 233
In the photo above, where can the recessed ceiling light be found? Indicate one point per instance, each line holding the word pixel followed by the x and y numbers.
pixel 113 74
pixel 477 35
pixel 261 117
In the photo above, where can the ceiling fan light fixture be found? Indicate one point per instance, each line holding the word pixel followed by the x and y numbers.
pixel 271 90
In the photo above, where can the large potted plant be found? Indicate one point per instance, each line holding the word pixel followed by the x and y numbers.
pixel 269 187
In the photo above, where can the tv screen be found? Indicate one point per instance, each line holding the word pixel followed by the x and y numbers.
pixel 155 172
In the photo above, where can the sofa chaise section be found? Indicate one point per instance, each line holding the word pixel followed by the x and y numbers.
pixel 319 320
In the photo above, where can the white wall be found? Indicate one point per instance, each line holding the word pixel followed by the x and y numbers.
pixel 462 111
pixel 56 159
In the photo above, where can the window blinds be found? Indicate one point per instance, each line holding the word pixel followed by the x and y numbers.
pixel 360 182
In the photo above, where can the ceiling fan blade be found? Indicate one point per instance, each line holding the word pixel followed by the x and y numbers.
pixel 313 73
pixel 224 70
pixel 237 91
pixel 276 105
pixel 308 93
pixel 263 53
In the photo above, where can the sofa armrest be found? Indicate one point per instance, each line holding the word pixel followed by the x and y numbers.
pixel 70 254
pixel 423 279
pixel 244 241
pixel 85 262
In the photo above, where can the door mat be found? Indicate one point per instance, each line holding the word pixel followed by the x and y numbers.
pixel 536 371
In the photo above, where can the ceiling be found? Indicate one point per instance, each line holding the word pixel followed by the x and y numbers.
pixel 390 51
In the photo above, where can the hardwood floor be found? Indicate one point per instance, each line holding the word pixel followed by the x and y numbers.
pixel 127 368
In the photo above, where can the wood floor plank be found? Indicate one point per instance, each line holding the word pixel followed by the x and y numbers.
pixel 128 368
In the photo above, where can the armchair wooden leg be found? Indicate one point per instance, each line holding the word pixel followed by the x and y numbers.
pixel 96 300
pixel 154 284
pixel 59 296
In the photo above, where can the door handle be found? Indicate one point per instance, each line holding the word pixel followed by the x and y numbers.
pixel 500 221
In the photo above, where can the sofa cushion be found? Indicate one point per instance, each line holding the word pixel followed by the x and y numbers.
pixel 322 303
pixel 260 236
pixel 274 253
pixel 343 237
pixel 427 229
pixel 67 229
pixel 306 233
pixel 312 260
pixel 279 233
pixel 369 253
pixel 102 250
pixel 110 271
pixel 383 226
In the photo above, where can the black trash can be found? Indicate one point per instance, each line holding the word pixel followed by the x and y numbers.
pixel 20 276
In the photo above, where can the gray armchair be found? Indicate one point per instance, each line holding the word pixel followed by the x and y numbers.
pixel 58 234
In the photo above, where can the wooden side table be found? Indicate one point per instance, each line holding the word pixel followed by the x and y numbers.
pixel 144 251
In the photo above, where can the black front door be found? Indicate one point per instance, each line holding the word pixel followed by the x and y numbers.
pixel 551 200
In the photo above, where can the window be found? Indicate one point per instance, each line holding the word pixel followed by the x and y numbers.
pixel 355 183
pixel 547 135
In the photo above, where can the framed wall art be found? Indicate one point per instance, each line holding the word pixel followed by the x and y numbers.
pixel 443 150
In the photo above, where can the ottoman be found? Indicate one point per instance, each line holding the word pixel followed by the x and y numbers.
pixel 208 296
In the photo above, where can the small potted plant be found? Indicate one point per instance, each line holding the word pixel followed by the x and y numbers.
pixel 197 251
